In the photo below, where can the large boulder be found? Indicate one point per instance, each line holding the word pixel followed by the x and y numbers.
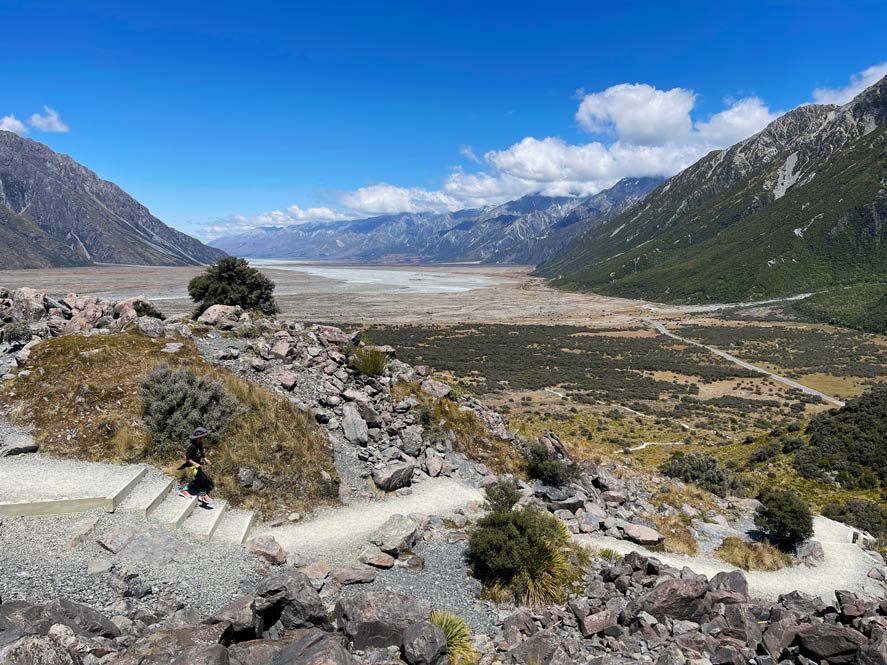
pixel 832 642
pixel 149 326
pixel 316 647
pixel 82 619
pixel 874 653
pixel 204 654
pixel 543 648
pixel 393 476
pixel 399 534
pixel 678 599
pixel 423 643
pixel 353 425
pixel 241 615
pixel 225 317
pixel 27 305
pixel 34 650
pixel 167 646
pixel 266 548
pixel 291 599
pixel 435 388
pixel 379 619
pixel 642 535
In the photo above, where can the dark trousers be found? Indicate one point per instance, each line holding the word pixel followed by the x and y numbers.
pixel 201 483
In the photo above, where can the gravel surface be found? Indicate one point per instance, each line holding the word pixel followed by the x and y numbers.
pixel 845 566
pixel 59 479
pixel 445 582
pixel 36 564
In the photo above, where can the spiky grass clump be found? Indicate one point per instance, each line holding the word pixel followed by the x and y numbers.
pixel 459 651
pixel 752 556
pixel 678 536
pixel 370 362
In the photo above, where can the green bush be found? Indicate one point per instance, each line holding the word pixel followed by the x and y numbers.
pixel 16 333
pixel 784 519
pixel 370 362
pixel 459 651
pixel 543 465
pixel 231 281
pixel 176 402
pixel 145 308
pixel 866 515
pixel 704 471
pixel 522 556
pixel 502 495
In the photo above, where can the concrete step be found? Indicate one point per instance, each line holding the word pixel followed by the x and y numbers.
pixel 204 521
pixel 234 527
pixel 173 510
pixel 147 495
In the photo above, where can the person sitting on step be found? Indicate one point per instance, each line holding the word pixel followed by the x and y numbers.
pixel 199 484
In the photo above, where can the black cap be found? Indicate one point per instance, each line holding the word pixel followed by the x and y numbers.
pixel 199 433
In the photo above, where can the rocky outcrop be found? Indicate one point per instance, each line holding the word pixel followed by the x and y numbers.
pixel 379 619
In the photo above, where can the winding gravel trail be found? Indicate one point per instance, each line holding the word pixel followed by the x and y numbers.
pixel 845 566
pixel 338 534
pixel 754 368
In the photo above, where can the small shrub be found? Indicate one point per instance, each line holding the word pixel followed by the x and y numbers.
pixel 370 362
pixel 145 308
pixel 867 515
pixel 784 519
pixel 16 333
pixel 704 471
pixel 459 651
pixel 176 402
pixel 502 495
pixel 752 556
pixel 231 281
pixel 769 451
pixel 543 465
pixel 791 444
pixel 522 556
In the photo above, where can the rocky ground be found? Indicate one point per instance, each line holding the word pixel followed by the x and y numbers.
pixel 166 598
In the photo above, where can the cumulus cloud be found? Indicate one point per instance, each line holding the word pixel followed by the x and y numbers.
pixel 858 82
pixel 10 123
pixel 742 119
pixel 50 122
pixel 384 198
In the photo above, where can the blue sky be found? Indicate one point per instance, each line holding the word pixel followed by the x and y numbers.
pixel 223 116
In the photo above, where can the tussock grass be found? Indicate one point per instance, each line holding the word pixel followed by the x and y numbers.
pixel 459 651
pixel 83 399
pixel 678 537
pixel 752 556
pixel 369 361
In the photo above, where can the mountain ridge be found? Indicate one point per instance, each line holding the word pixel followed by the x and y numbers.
pixel 55 212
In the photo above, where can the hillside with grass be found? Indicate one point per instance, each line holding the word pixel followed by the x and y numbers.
pixel 795 208
pixel 861 307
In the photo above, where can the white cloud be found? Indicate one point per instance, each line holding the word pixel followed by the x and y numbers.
pixel 638 113
pixel 10 123
pixel 468 153
pixel 384 198
pixel 858 82
pixel 742 119
pixel 51 122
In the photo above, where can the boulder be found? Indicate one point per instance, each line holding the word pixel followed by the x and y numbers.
pixel 114 540
pixel 83 620
pixel 874 653
pixel 241 615
pixel 642 535
pixel 543 648
pixel 267 548
pixel 399 534
pixel 678 599
pixel 315 647
pixel 291 599
pixel 286 379
pixel 393 476
pixel 779 635
pixel 435 388
pixel 423 643
pixel 411 440
pixel 374 556
pixel 353 425
pixel 810 551
pixel 730 581
pixel 832 642
pixel 204 654
pixel 18 443
pixel 598 622
pixel 34 650
pixel 379 619
pixel 149 326
pixel 345 575
pixel 225 317
pixel 282 349
pixel 27 305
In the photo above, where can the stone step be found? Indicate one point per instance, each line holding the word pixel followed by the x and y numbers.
pixel 234 526
pixel 204 521
pixel 147 495
pixel 174 510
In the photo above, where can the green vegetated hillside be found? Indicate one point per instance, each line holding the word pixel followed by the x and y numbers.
pixel 799 207
pixel 862 307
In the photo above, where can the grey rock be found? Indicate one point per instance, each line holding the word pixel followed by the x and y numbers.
pixel 423 643
pixel 379 619
pixel 399 534
pixel 18 443
pixel 394 476
pixel 266 548
pixel 353 425
pixel 291 599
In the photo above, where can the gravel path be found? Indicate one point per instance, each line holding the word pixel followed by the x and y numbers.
pixel 36 478
pixel 845 565
pixel 733 359
pixel 338 534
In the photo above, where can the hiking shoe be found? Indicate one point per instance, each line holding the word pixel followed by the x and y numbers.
pixel 185 493
pixel 205 498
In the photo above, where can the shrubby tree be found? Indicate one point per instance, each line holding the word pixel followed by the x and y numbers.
pixel 175 402
pixel 704 471
pixel 502 495
pixel 784 519
pixel 545 466
pixel 231 281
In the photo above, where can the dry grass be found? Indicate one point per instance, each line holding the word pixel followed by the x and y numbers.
pixel 83 399
pixel 678 537
pixel 676 496
pixel 753 556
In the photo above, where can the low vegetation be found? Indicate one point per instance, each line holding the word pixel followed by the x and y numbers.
pixel 752 556
pixel 83 398
pixel 524 556
pixel 679 538
pixel 543 465
pixel 231 281
pixel 784 519
pixel 862 307
pixel 16 333
pixel 866 515
pixel 705 471
pixel 370 362
pixel 458 634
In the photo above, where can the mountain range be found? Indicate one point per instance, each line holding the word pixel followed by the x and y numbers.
pixel 800 206
pixel 55 212
pixel 526 231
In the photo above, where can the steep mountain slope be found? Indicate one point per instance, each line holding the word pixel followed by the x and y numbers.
pixel 55 212
pixel 527 230
pixel 799 206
